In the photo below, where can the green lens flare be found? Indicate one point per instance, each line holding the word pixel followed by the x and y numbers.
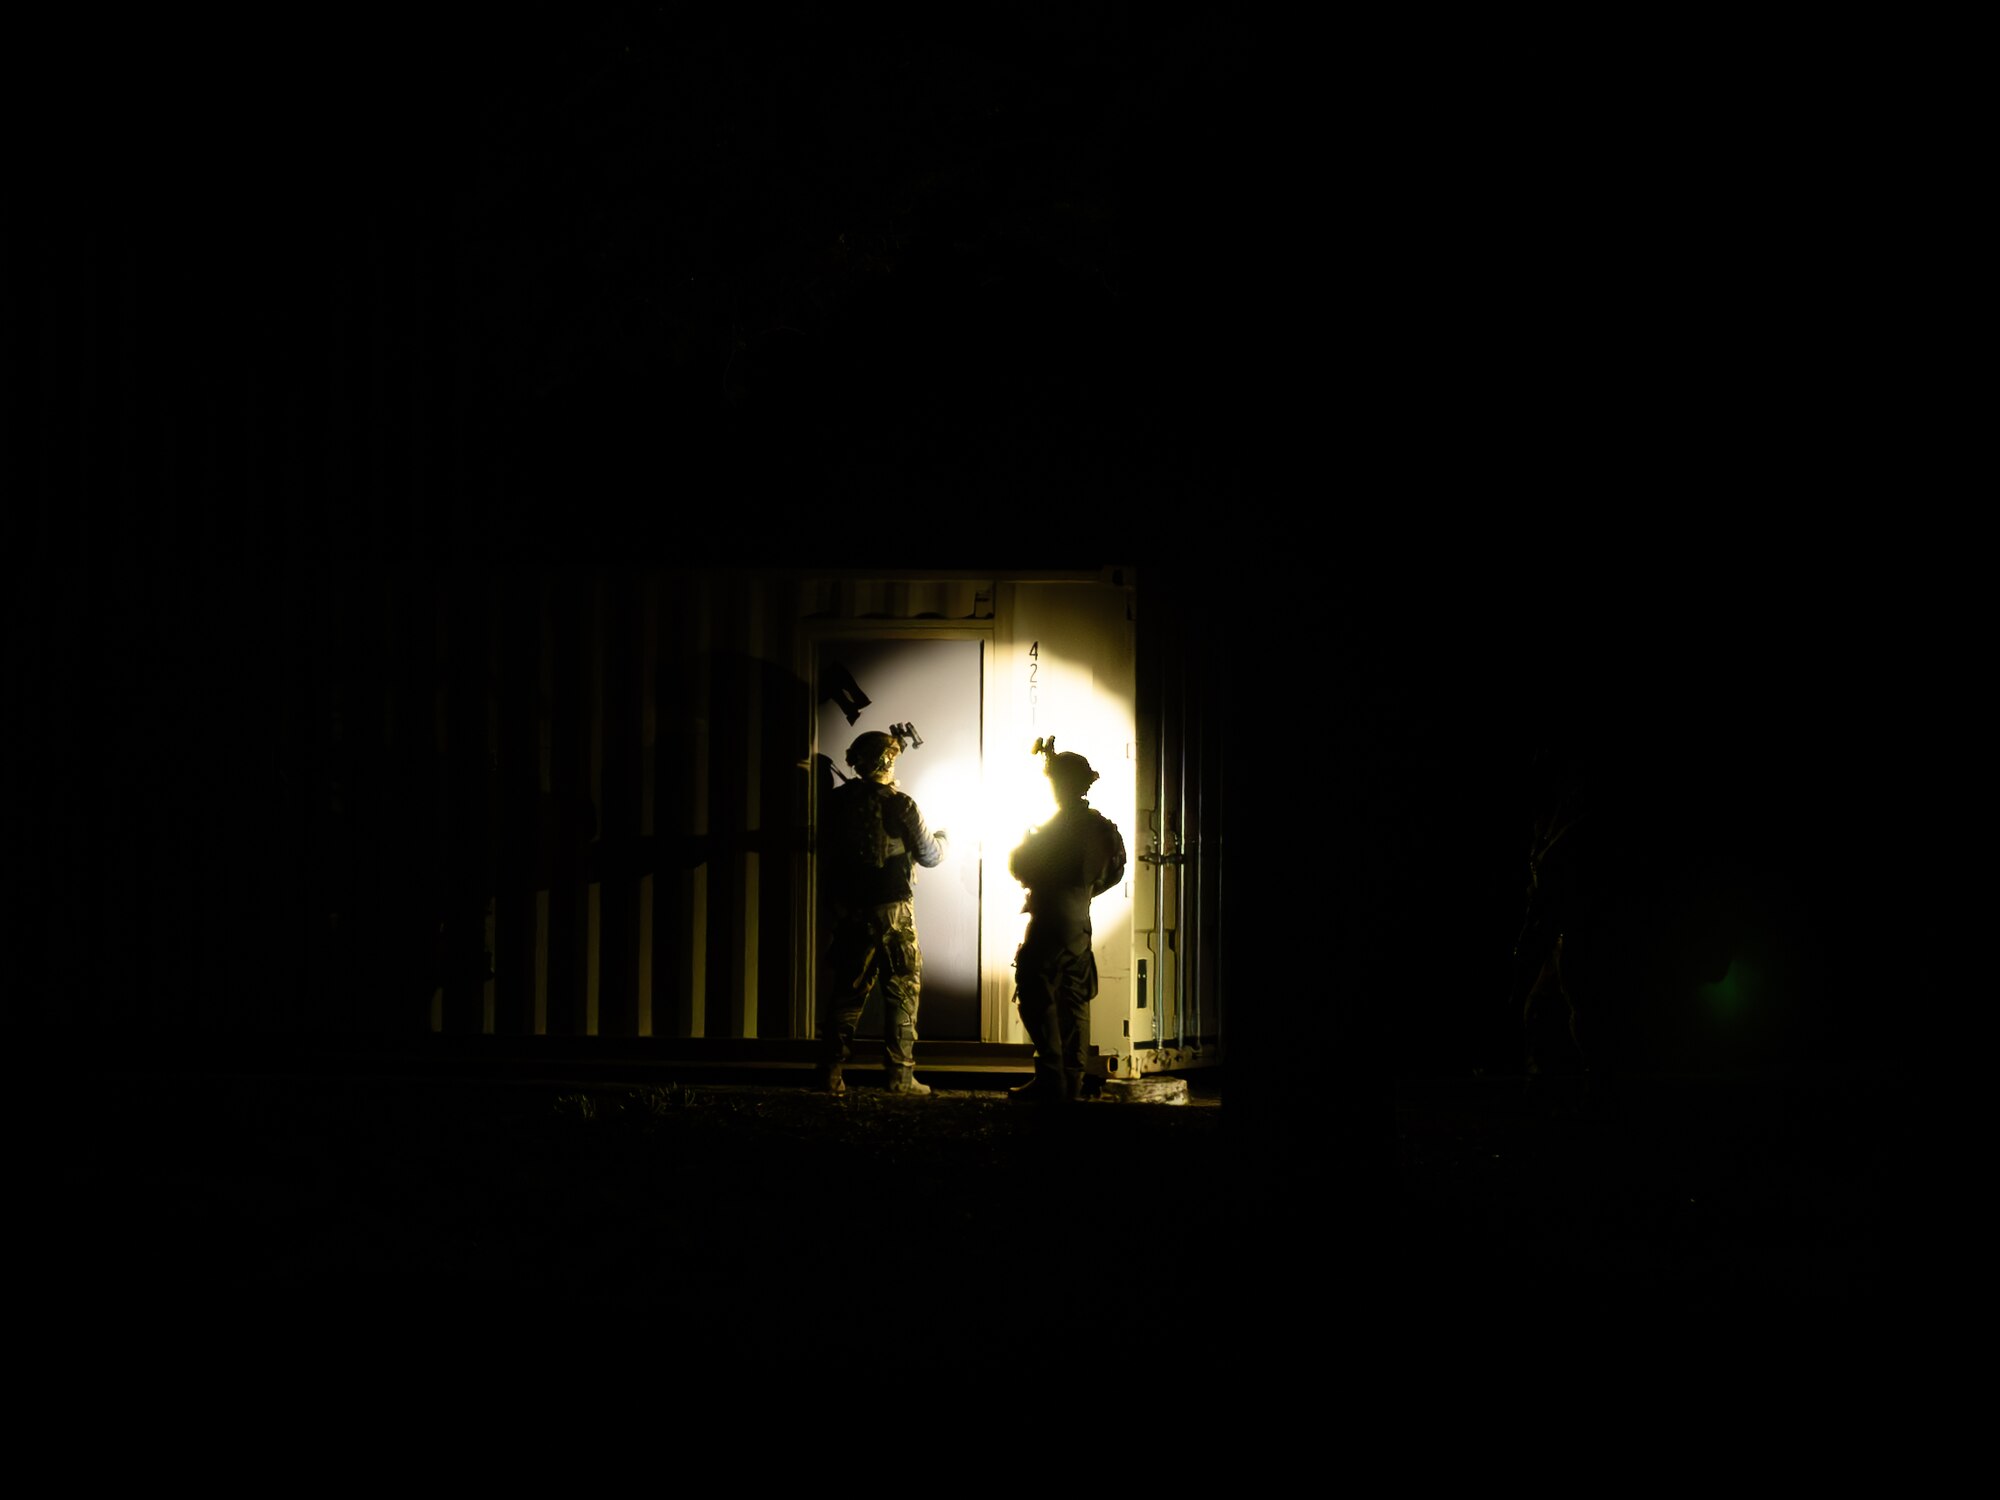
pixel 1735 994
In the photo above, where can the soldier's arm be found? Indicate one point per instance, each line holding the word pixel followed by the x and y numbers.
pixel 925 847
pixel 1114 864
pixel 1023 864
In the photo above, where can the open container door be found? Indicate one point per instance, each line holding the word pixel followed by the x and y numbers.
pixel 1063 666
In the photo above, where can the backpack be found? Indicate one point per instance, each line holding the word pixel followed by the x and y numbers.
pixel 854 843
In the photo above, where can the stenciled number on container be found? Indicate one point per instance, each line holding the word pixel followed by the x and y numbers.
pixel 1034 671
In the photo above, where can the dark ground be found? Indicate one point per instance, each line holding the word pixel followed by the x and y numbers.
pixel 1664 1213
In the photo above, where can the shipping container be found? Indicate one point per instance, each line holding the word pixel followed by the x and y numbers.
pixel 571 809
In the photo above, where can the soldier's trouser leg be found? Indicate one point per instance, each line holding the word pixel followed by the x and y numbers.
pixel 848 977
pixel 899 1021
pixel 1053 991
pixel 1073 1015
pixel 1041 1017
pixel 839 1015
pixel 1554 1041
pixel 902 983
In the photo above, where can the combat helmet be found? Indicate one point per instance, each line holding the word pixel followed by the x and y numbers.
pixel 1069 773
pixel 873 750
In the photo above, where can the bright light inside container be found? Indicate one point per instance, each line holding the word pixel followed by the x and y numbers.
pixel 983 813
pixel 1021 799
pixel 948 793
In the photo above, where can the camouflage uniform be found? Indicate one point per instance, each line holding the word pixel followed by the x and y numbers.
pixel 1071 859
pixel 873 945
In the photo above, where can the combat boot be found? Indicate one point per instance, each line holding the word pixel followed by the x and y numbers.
pixel 1043 1088
pixel 830 1081
pixel 904 1081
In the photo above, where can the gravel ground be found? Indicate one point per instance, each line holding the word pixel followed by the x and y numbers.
pixel 718 1209
pixel 704 1204
pixel 1676 1208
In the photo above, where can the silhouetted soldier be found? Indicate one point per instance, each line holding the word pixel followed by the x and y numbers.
pixel 1550 1019
pixel 872 835
pixel 1065 863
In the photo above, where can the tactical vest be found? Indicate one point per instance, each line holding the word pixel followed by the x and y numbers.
pixel 862 858
pixel 859 841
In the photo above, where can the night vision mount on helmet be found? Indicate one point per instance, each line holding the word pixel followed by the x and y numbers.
pixel 1066 770
pixel 875 749
pixel 857 839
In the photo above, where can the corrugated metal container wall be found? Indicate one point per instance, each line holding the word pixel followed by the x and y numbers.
pixel 612 767
pixel 538 802
pixel 1182 677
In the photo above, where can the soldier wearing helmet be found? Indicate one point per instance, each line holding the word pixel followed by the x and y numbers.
pixel 1066 863
pixel 873 752
pixel 872 838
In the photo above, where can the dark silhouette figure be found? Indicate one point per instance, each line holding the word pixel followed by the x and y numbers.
pixel 1635 893
pixel 871 839
pixel 1551 1024
pixel 1065 864
pixel 1575 952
